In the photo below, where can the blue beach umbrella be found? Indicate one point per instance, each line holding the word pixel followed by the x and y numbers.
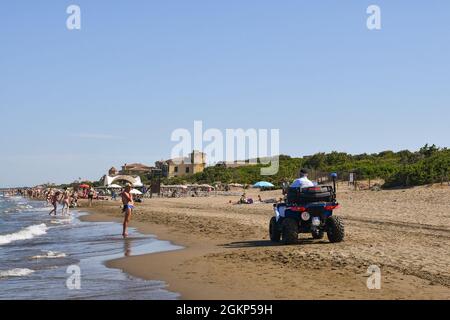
pixel 263 184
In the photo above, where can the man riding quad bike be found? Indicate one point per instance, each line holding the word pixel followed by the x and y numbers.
pixel 307 210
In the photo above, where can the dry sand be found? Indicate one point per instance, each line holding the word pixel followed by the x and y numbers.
pixel 228 255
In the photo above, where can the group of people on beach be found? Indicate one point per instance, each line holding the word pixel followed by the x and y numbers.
pixel 69 199
pixel 65 198
pixel 11 192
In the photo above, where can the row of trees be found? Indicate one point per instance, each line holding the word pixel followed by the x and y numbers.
pixel 429 167
pixel 399 169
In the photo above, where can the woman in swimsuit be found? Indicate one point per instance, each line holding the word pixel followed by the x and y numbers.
pixel 128 206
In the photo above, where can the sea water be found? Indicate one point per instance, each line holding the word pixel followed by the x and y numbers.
pixel 38 254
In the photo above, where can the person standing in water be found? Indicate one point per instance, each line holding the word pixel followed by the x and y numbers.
pixel 128 206
pixel 49 198
pixel 74 200
pixel 55 198
pixel 66 202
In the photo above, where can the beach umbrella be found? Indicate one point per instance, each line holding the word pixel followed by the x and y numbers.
pixel 263 184
pixel 115 186
pixel 135 191
pixel 84 186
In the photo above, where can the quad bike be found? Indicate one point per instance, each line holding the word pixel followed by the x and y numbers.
pixel 307 210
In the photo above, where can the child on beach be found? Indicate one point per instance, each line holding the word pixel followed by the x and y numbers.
pixel 128 206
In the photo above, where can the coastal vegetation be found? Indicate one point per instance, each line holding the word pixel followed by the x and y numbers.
pixel 405 168
pixel 430 164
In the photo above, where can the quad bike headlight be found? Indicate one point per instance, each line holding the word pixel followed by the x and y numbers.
pixel 316 222
pixel 306 216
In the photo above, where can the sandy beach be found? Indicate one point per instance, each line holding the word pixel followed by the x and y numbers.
pixel 228 255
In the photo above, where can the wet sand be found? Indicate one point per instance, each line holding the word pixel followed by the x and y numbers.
pixel 228 255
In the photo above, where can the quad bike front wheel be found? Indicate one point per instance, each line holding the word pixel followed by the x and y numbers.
pixel 289 231
pixel 275 234
pixel 335 229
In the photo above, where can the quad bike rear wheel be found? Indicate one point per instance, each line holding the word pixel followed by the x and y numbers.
pixel 275 234
pixel 335 229
pixel 289 231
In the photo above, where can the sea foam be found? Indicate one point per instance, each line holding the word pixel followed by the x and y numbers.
pixel 24 234
pixel 16 273
pixel 50 255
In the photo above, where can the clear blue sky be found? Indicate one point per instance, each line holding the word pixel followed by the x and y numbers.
pixel 74 103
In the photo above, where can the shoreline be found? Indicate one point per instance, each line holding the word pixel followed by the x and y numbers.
pixel 46 247
pixel 227 254
pixel 159 263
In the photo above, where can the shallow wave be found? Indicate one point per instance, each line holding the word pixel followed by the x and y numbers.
pixel 62 221
pixel 23 207
pixel 13 198
pixel 20 209
pixel 50 255
pixel 24 234
pixel 16 273
pixel 41 209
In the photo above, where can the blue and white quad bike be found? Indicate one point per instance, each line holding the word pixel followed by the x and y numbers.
pixel 307 210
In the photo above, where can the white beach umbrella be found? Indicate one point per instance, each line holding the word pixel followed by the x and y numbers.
pixel 115 186
pixel 135 191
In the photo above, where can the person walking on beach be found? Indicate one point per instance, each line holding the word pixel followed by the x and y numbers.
pixel 74 200
pixel 113 195
pixel 55 203
pixel 128 206
pixel 91 196
pixel 49 198
pixel 65 202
